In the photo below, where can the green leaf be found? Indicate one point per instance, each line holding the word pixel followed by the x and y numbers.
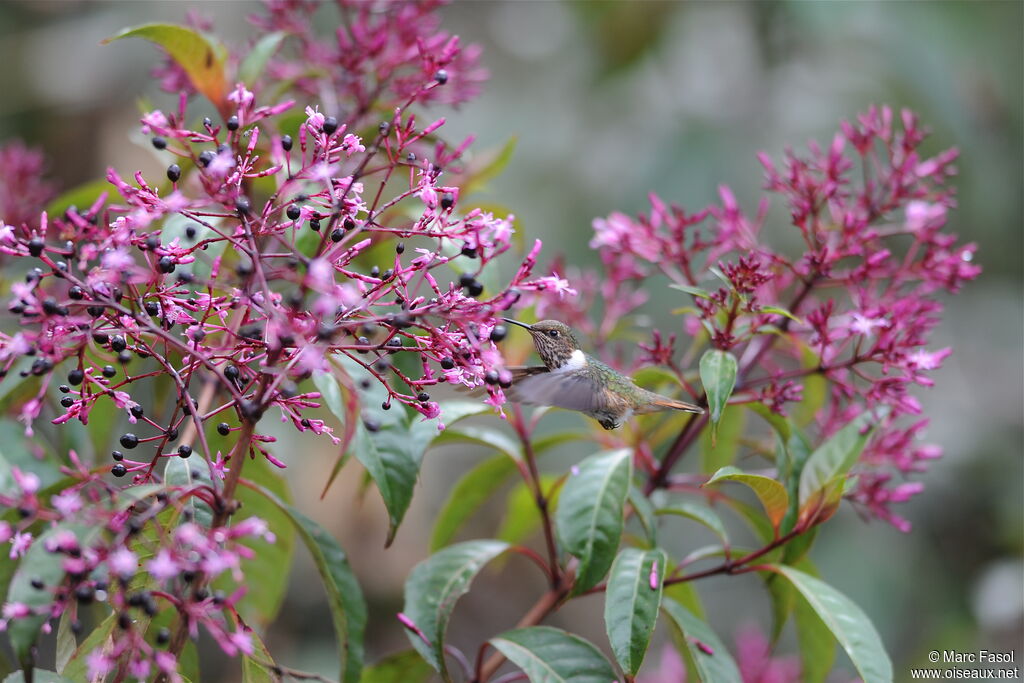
pixel 631 604
pixel 187 473
pixel 256 667
pixel 484 436
pixel 716 453
pixel 815 388
pixel 38 563
pixel 691 290
pixel 434 586
pixel 522 518
pixel 479 178
pixel 835 457
pixel 551 655
pixel 771 493
pixel 718 375
pixel 716 666
pixel 467 496
pixel 267 572
pixel 66 642
pixel 589 514
pixel 846 621
pixel 645 514
pixel 344 597
pixel 200 57
pixel 782 426
pixel 402 667
pixel 754 516
pixel 252 66
pixel 77 667
pixel 175 227
pixel 777 310
pixel 790 459
pixel 698 512
pixel 83 196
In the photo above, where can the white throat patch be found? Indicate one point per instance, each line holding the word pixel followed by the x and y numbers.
pixel 577 360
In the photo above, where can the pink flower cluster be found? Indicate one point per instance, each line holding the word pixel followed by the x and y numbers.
pixel 855 306
pixel 100 537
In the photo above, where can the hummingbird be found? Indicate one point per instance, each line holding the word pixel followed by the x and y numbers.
pixel 574 380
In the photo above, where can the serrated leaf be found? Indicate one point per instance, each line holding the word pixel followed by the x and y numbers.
pixel 771 493
pixel 712 661
pixel 344 596
pixel 846 621
pixel 631 604
pixel 551 655
pixel 836 456
pixel 472 490
pixel 434 586
pixel 401 667
pixel 252 66
pixel 698 512
pixel 718 375
pixel 268 570
pixel 589 514
pixel 201 58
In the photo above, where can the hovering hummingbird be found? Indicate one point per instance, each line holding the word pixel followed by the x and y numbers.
pixel 574 380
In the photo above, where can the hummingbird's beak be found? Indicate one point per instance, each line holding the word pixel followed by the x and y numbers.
pixel 516 322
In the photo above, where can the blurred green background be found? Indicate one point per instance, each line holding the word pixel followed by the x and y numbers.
pixel 609 100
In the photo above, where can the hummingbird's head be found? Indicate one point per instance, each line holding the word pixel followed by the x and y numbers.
pixel 554 341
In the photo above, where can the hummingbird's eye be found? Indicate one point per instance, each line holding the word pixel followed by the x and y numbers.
pixel 553 333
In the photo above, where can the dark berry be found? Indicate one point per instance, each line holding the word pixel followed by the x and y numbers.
pixel 232 123
pixel 447 363
pixel 35 246
pixel 441 76
pixel 498 333
pixel 63 388
pixel 348 223
pixel 129 440
pixel 243 206
pixel 172 433
pixel 38 584
pixel 384 127
pixel 475 289
pixel 119 470
pixel 67 401
pixel 491 377
pixel 314 224
pixel 469 252
pixel 124 620
pixel 223 429
pixel 152 307
pixel 159 142
pixel 386 405
pixel 231 372
pixel 447 200
pixel 76 293
pixel 205 158
pixel 190 232
pixel 117 455
pixel 124 357
pixel 293 212
pixel 174 173
pixel 109 371
pixel 423 397
pixel 85 594
pixel 337 234
pixel 375 271
pixel 330 125
pixel 466 280
pixel 184 450
pixel 137 411
pixel 400 248
pixel 371 425
pixel 76 376
pixel 363 341
pixel 286 142
pixel 163 636
pixel 166 264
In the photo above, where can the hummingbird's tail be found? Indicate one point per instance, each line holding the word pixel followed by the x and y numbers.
pixel 659 402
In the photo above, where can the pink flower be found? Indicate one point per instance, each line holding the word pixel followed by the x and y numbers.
pixel 163 566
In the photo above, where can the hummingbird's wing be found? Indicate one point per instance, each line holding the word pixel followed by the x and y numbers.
pixel 569 390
